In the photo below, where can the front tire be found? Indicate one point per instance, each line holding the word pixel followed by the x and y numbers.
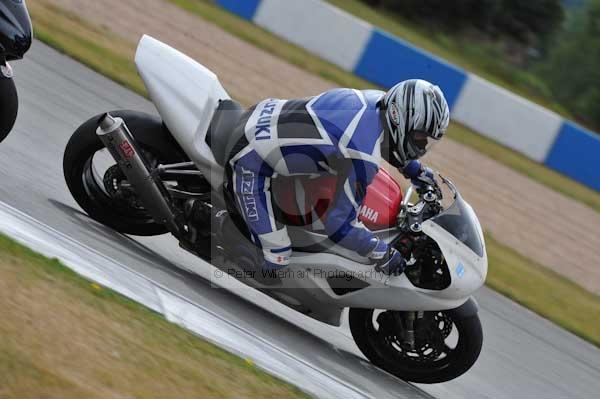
pixel 431 361
pixel 89 190
pixel 9 105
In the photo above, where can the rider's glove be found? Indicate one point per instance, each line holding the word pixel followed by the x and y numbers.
pixel 419 174
pixel 387 260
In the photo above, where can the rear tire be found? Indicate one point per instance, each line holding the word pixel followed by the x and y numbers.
pixel 381 348
pixel 153 138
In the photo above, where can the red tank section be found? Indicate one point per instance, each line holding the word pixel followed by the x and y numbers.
pixel 382 202
pixel 378 211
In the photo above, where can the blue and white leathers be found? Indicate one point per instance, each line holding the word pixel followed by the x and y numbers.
pixel 337 132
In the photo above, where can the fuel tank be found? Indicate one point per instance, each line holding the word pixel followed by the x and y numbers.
pixel 304 201
pixel 382 202
pixel 15 29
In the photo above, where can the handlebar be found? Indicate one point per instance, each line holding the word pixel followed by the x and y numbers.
pixel 411 216
pixel 407 196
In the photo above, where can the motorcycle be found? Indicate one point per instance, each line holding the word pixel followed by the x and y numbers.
pixel 141 175
pixel 15 40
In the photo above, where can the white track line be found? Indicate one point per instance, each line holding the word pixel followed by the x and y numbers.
pixel 95 266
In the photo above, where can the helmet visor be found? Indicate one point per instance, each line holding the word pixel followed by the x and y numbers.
pixel 420 142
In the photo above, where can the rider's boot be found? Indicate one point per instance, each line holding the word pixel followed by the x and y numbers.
pixel 198 215
pixel 243 252
pixel 212 229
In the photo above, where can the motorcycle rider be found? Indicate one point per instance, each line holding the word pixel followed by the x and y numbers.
pixel 344 132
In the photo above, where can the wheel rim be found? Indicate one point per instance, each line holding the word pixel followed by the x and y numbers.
pixel 99 174
pixel 436 340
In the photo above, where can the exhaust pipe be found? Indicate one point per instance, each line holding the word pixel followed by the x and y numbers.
pixel 117 138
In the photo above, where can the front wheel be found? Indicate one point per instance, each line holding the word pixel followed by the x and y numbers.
pixel 442 345
pixel 9 104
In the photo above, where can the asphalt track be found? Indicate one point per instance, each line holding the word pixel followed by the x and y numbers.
pixel 524 356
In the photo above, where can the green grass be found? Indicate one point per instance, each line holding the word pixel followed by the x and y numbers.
pixel 543 291
pixel 99 49
pixel 534 286
pixel 62 336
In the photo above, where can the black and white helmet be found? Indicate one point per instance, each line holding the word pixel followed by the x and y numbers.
pixel 415 110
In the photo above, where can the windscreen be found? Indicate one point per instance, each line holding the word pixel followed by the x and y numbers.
pixel 460 221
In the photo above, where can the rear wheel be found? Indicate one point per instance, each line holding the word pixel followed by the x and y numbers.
pixel 97 183
pixel 444 346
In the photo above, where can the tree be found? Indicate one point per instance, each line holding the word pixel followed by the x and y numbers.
pixel 528 22
pixel 572 70
pixel 453 15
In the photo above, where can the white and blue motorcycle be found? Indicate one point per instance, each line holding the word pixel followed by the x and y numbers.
pixel 138 173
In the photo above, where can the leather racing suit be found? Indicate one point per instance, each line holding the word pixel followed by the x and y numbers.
pixel 337 132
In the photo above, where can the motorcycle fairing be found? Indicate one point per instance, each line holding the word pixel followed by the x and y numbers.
pixel 463 246
pixel 186 95
pixel 467 269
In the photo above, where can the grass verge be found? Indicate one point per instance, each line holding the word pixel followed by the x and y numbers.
pixel 97 48
pixel 520 163
pixel 543 291
pixel 62 336
pixel 274 45
pixel 511 274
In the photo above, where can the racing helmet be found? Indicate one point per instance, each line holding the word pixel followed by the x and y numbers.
pixel 416 115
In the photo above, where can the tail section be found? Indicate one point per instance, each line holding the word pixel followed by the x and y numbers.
pixel 185 93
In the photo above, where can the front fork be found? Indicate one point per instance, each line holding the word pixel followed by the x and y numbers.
pixel 117 138
pixel 405 323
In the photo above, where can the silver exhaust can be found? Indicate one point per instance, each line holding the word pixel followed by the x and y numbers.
pixel 117 138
